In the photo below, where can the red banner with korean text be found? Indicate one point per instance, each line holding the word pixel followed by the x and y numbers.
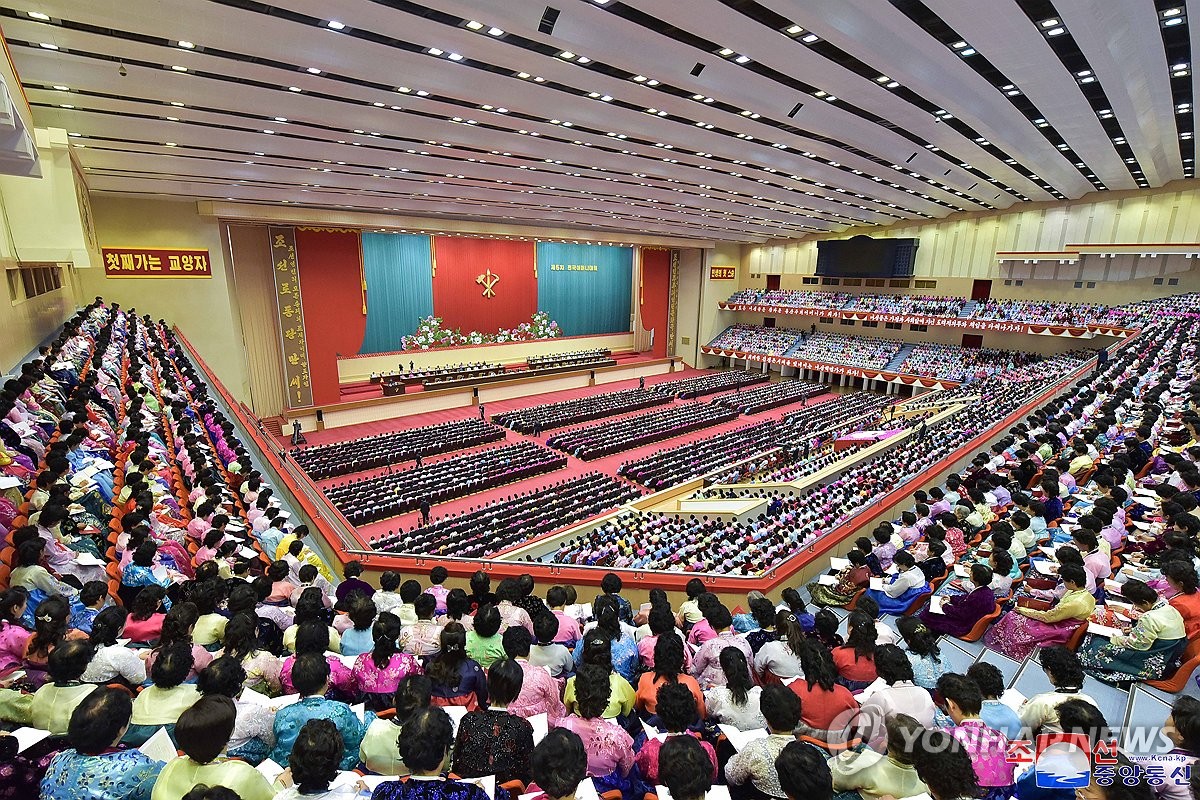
pixel 288 302
pixel 148 262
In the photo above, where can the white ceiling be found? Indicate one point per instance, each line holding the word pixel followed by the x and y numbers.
pixel 871 114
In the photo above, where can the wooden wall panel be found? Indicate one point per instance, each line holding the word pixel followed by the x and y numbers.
pixel 255 291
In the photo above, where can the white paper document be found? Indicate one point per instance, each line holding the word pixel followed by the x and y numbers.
pixel 935 604
pixel 827 580
pixel 28 737
pixel 1012 698
pixel 877 584
pixel 839 563
pixel 739 738
pixel 541 726
pixel 159 746
pixel 1103 630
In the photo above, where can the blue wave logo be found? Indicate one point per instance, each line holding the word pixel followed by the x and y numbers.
pixel 1063 766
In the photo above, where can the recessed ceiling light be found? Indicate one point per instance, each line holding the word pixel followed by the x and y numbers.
pixel 434 51
pixel 473 25
pixel 1174 21
pixel 893 85
pixel 172 119
pixel 65 105
pixel 266 130
pixel 742 59
pixel 295 89
pixel 49 46
pixel 455 57
pixel 186 45
pixel 495 32
pixel 1056 31
pixel 281 119
pixel 178 68
pixel 62 88
pixel 422 93
pixel 177 104
pixel 970 51
pixel 793 30
pixel 40 16
pixel 567 54
pixel 314 71
pixel 810 38
pixel 1170 12
pixel 725 51
pixel 333 24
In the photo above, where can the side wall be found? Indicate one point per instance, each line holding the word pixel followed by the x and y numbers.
pixel 958 250
pixel 202 307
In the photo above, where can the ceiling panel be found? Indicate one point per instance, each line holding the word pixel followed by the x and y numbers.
pixel 619 116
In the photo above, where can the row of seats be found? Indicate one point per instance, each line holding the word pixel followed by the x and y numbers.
pixel 389 495
pixel 388 449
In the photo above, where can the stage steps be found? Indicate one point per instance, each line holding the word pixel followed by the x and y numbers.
pixel 899 358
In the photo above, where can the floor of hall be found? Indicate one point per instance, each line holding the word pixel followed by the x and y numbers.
pixel 574 467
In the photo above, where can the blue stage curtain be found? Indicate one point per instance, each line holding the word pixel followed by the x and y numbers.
pixel 399 273
pixel 586 288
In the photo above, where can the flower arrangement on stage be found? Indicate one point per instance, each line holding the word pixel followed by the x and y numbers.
pixel 430 334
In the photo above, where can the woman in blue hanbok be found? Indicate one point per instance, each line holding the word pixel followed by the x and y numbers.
pixel 899 591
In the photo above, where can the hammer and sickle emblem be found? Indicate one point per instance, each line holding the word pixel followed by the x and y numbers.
pixel 488 281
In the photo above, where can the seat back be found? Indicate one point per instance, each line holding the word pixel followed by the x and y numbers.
pixel 1187 665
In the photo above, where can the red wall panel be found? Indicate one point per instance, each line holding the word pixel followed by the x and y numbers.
pixel 330 263
pixel 459 300
pixel 656 296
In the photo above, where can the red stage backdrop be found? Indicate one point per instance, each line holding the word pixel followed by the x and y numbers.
pixel 335 320
pixel 465 267
pixel 655 296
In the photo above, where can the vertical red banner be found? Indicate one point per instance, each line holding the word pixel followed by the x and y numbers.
pixel 330 263
pixel 483 284
pixel 655 297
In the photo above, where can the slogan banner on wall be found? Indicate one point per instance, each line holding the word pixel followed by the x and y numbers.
pixel 145 262
pixel 291 317
pixel 716 273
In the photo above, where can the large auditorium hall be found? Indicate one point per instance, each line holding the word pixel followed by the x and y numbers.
pixel 599 400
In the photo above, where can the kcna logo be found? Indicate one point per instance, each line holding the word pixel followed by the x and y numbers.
pixel 1063 760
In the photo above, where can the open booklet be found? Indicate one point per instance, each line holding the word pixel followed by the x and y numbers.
pixel 935 604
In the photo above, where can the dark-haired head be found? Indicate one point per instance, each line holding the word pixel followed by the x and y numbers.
pixel 425 741
pixel 685 768
pixel 892 664
pixel 67 662
pixel 487 621
pixel 504 680
pixel 559 763
pixel 203 730
pixel 316 756
pixel 100 720
pixel 223 676
pixel 592 691
pixel 804 772
pixel 780 707
pixel 1062 667
pixel 945 766
pixel 310 674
